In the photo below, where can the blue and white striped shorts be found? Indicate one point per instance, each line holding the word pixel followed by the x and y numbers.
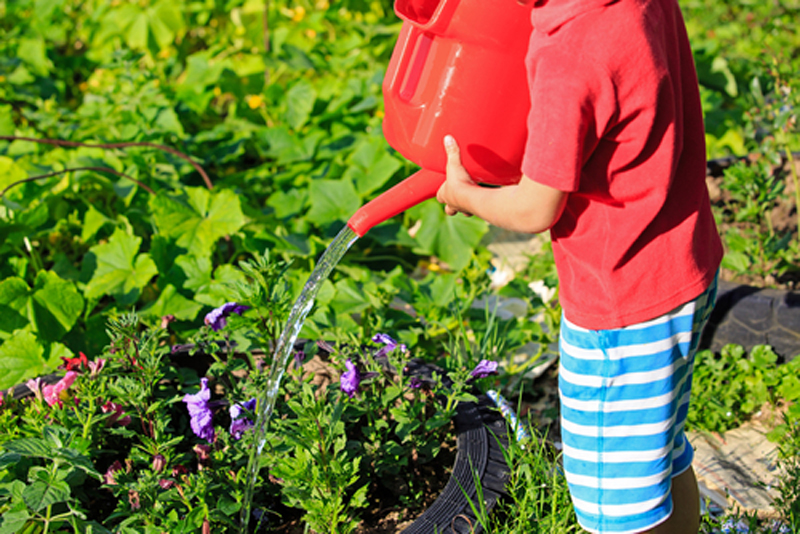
pixel 624 399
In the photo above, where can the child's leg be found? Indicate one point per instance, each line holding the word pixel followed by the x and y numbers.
pixel 624 399
pixel 685 518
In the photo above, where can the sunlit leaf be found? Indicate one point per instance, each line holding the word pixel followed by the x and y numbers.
pixel 120 271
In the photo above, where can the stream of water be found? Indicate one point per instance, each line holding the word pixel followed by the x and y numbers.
pixel 283 352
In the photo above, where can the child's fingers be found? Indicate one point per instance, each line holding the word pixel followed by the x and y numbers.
pixel 454 165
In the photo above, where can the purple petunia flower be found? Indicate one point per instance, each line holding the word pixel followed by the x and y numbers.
pixel 240 423
pixel 389 345
pixel 217 318
pixel 484 369
pixel 200 412
pixel 415 383
pixel 350 379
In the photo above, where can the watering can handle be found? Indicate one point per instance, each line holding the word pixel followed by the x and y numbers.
pixel 404 50
pixel 418 187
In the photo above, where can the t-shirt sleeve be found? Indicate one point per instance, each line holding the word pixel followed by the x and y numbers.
pixel 572 104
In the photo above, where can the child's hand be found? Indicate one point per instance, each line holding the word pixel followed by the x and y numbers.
pixel 457 179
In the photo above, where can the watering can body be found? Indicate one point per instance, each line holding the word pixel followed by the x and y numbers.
pixel 457 68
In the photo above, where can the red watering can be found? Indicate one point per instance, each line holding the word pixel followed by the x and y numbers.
pixel 457 68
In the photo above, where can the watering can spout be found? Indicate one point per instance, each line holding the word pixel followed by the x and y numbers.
pixel 417 188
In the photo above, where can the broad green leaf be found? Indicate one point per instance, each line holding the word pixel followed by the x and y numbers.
pixel 299 103
pixel 197 220
pixel 33 52
pixel 218 291
pixel 12 521
pixel 21 357
pixel 7 125
pixel 30 447
pixel 170 302
pixel 92 222
pixel 56 305
pixel 371 165
pixel 14 300
pixel 452 239
pixel 41 494
pixel 52 307
pixel 332 201
pixel 288 203
pixel 120 272
pixel 349 297
pixel 196 270
pixel 137 33
pixel 10 172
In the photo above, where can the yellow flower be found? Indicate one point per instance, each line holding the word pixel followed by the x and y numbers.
pixel 217 91
pixel 254 101
pixel 299 13
pixel 311 33
pixel 379 113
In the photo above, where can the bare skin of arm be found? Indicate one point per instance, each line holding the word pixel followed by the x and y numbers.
pixel 528 207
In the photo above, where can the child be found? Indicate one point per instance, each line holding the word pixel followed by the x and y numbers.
pixel 614 167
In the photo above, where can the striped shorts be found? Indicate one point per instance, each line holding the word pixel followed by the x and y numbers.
pixel 624 398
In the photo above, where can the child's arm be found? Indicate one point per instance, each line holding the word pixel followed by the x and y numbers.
pixel 526 207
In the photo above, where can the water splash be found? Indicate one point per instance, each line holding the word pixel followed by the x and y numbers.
pixel 283 352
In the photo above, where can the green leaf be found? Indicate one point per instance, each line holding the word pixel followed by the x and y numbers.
pixel 33 52
pixel 10 172
pixel 14 300
pixel 52 307
pixel 299 103
pixel 42 494
pixel 371 165
pixel 30 447
pixel 218 291
pixel 197 220
pixel 137 33
pixel 170 302
pixel 56 305
pixel 288 203
pixel 21 357
pixel 120 272
pixel 452 239
pixel 92 222
pixel 331 201
pixel 12 522
pixel 7 127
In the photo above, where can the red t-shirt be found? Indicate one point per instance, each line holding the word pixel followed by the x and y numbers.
pixel 616 121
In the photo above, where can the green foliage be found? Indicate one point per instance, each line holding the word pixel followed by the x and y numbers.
pixel 729 388
pixel 180 137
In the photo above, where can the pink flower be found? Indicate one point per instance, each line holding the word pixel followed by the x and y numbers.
pixel 108 477
pixel 133 499
pixel 35 386
pixel 96 366
pixel 159 462
pixel 55 393
pixel 117 414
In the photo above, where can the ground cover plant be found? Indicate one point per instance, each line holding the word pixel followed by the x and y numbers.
pixel 151 152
